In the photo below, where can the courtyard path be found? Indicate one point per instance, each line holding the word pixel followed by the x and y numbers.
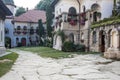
pixel 83 67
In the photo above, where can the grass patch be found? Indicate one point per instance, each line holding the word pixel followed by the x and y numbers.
pixel 88 53
pixel 5 66
pixel 52 53
pixel 47 52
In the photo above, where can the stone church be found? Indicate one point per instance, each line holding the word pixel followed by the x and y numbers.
pixel 75 18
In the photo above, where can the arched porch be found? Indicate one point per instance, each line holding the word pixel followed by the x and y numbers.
pixel 114 49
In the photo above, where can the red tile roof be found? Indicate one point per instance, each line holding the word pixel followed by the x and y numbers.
pixel 31 16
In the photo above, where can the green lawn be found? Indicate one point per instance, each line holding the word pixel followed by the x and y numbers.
pixel 52 53
pixel 46 52
pixel 6 65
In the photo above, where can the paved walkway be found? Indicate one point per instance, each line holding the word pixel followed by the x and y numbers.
pixel 83 67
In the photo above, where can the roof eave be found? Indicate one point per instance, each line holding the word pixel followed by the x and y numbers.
pixel 5 9
pixel 54 3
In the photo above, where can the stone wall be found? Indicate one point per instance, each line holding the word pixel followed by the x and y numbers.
pixel 107 40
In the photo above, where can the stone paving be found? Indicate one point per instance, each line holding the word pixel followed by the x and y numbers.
pixel 82 67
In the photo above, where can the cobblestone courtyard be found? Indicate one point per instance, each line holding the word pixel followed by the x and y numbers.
pixel 82 67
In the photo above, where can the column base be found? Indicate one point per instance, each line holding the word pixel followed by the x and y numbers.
pixel 112 53
pixel 2 50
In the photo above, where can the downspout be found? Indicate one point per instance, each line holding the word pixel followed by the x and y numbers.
pixel 79 22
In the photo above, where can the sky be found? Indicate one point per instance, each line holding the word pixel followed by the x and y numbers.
pixel 30 4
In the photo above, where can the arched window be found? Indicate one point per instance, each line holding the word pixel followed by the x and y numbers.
pixel 17 41
pixel 31 30
pixel 6 31
pixel 24 30
pixel 97 14
pixel 18 29
pixel 37 30
pixel 72 10
pixel 84 8
pixel 72 16
pixel 95 7
pixel 94 37
pixel 71 37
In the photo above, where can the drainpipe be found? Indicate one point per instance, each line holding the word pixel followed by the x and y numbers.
pixel 79 22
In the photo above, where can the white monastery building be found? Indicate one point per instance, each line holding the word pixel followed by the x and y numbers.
pixel 75 17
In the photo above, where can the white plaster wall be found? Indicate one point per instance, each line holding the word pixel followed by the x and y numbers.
pixel 11 8
pixel 2 35
pixel 9 25
pixel 64 5
pixel 27 36
pixel 106 6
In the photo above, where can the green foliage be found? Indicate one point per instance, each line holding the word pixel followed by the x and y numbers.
pixel 41 31
pixel 7 42
pixel 19 44
pixel 20 11
pixel 80 48
pixel 47 52
pixel 45 5
pixel 68 46
pixel 49 43
pixel 42 5
pixel 49 16
pixel 61 34
pixel 6 66
pixel 107 21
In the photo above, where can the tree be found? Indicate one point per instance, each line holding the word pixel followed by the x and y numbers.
pixel 45 5
pixel 118 7
pixel 20 11
pixel 41 31
pixel 49 16
pixel 42 5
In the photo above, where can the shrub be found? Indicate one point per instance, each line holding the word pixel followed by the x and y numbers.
pixel 19 44
pixel 71 47
pixel 68 46
pixel 48 43
pixel 80 48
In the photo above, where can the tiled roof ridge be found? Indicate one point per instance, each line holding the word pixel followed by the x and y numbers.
pixel 27 18
pixel 32 16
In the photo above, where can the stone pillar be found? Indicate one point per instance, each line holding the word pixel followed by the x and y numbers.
pixel 97 41
pixel 113 51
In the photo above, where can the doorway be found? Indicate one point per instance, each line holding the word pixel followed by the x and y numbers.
pixel 95 17
pixel 102 41
pixel 7 42
pixel 23 41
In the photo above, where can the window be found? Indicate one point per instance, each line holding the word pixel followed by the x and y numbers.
pixel 72 16
pixel 24 30
pixel 71 37
pixel 84 8
pixel 17 41
pixel 37 30
pixel 6 31
pixel 31 30
pixel 95 7
pixel 18 29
